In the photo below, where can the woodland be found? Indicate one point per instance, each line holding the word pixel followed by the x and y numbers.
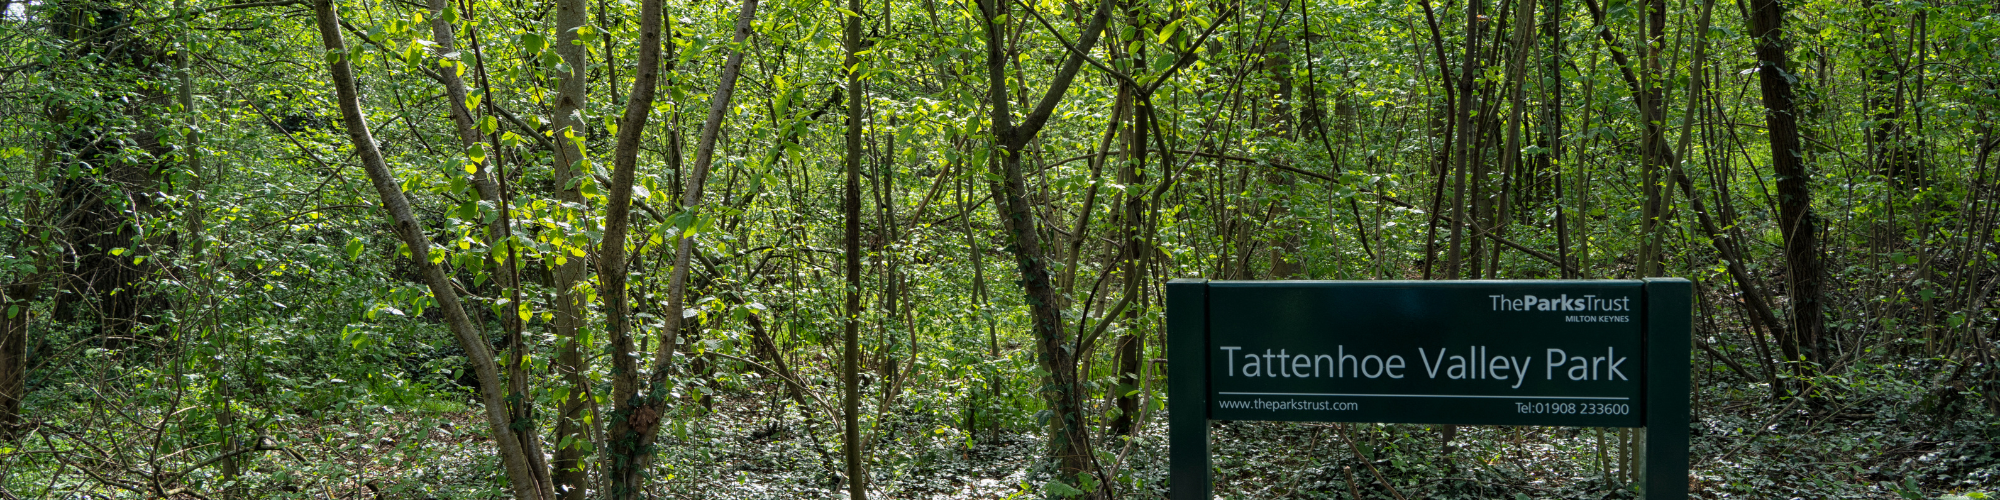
pixel 757 249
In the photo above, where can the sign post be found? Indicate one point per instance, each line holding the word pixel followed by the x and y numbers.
pixel 1605 353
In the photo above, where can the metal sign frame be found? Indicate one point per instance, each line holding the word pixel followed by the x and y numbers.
pixel 1663 316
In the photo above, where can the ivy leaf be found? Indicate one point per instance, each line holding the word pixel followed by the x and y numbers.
pixel 1057 488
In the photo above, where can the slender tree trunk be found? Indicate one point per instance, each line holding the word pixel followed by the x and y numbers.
pixel 1796 221
pixel 1467 132
pixel 1131 346
pixel 512 457
pixel 1888 137
pixel 851 445
pixel 521 408
pixel 1550 138
pixel 1523 44
pixel 569 475
pixel 15 300
pixel 1653 147
pixel 463 124
pixel 634 422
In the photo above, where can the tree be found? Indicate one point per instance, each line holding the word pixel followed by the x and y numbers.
pixel 1069 439
pixel 851 445
pixel 1803 344
pixel 526 482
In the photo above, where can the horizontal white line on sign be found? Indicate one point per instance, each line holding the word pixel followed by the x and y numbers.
pixel 1461 396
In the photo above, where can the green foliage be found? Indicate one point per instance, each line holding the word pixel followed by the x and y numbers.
pixel 267 296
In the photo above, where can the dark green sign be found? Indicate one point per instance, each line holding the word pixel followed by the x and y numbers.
pixel 1521 353
pixel 1568 353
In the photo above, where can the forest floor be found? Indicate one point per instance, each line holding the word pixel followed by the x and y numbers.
pixel 1887 432
pixel 1884 432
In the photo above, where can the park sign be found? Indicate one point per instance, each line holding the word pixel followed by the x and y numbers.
pixel 1596 353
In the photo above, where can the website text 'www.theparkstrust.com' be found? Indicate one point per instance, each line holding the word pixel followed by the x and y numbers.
pixel 1288 404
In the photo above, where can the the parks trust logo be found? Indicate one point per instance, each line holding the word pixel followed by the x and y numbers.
pixel 1584 303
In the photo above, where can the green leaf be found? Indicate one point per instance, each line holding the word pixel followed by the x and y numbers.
pixel 533 42
pixel 353 248
pixel 413 55
pixel 117 251
pixel 1167 33
pixel 13 311
pixel 477 152
pixel 1059 489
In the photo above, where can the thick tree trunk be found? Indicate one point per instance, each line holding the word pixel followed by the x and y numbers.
pixel 514 460
pixel 1796 221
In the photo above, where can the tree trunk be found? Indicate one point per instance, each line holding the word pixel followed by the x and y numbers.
pixel 1461 144
pixel 1653 152
pixel 634 421
pixel 1888 136
pixel 850 320
pixel 15 299
pixel 571 437
pixel 1130 346
pixel 1802 342
pixel 512 457
pixel 1069 437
